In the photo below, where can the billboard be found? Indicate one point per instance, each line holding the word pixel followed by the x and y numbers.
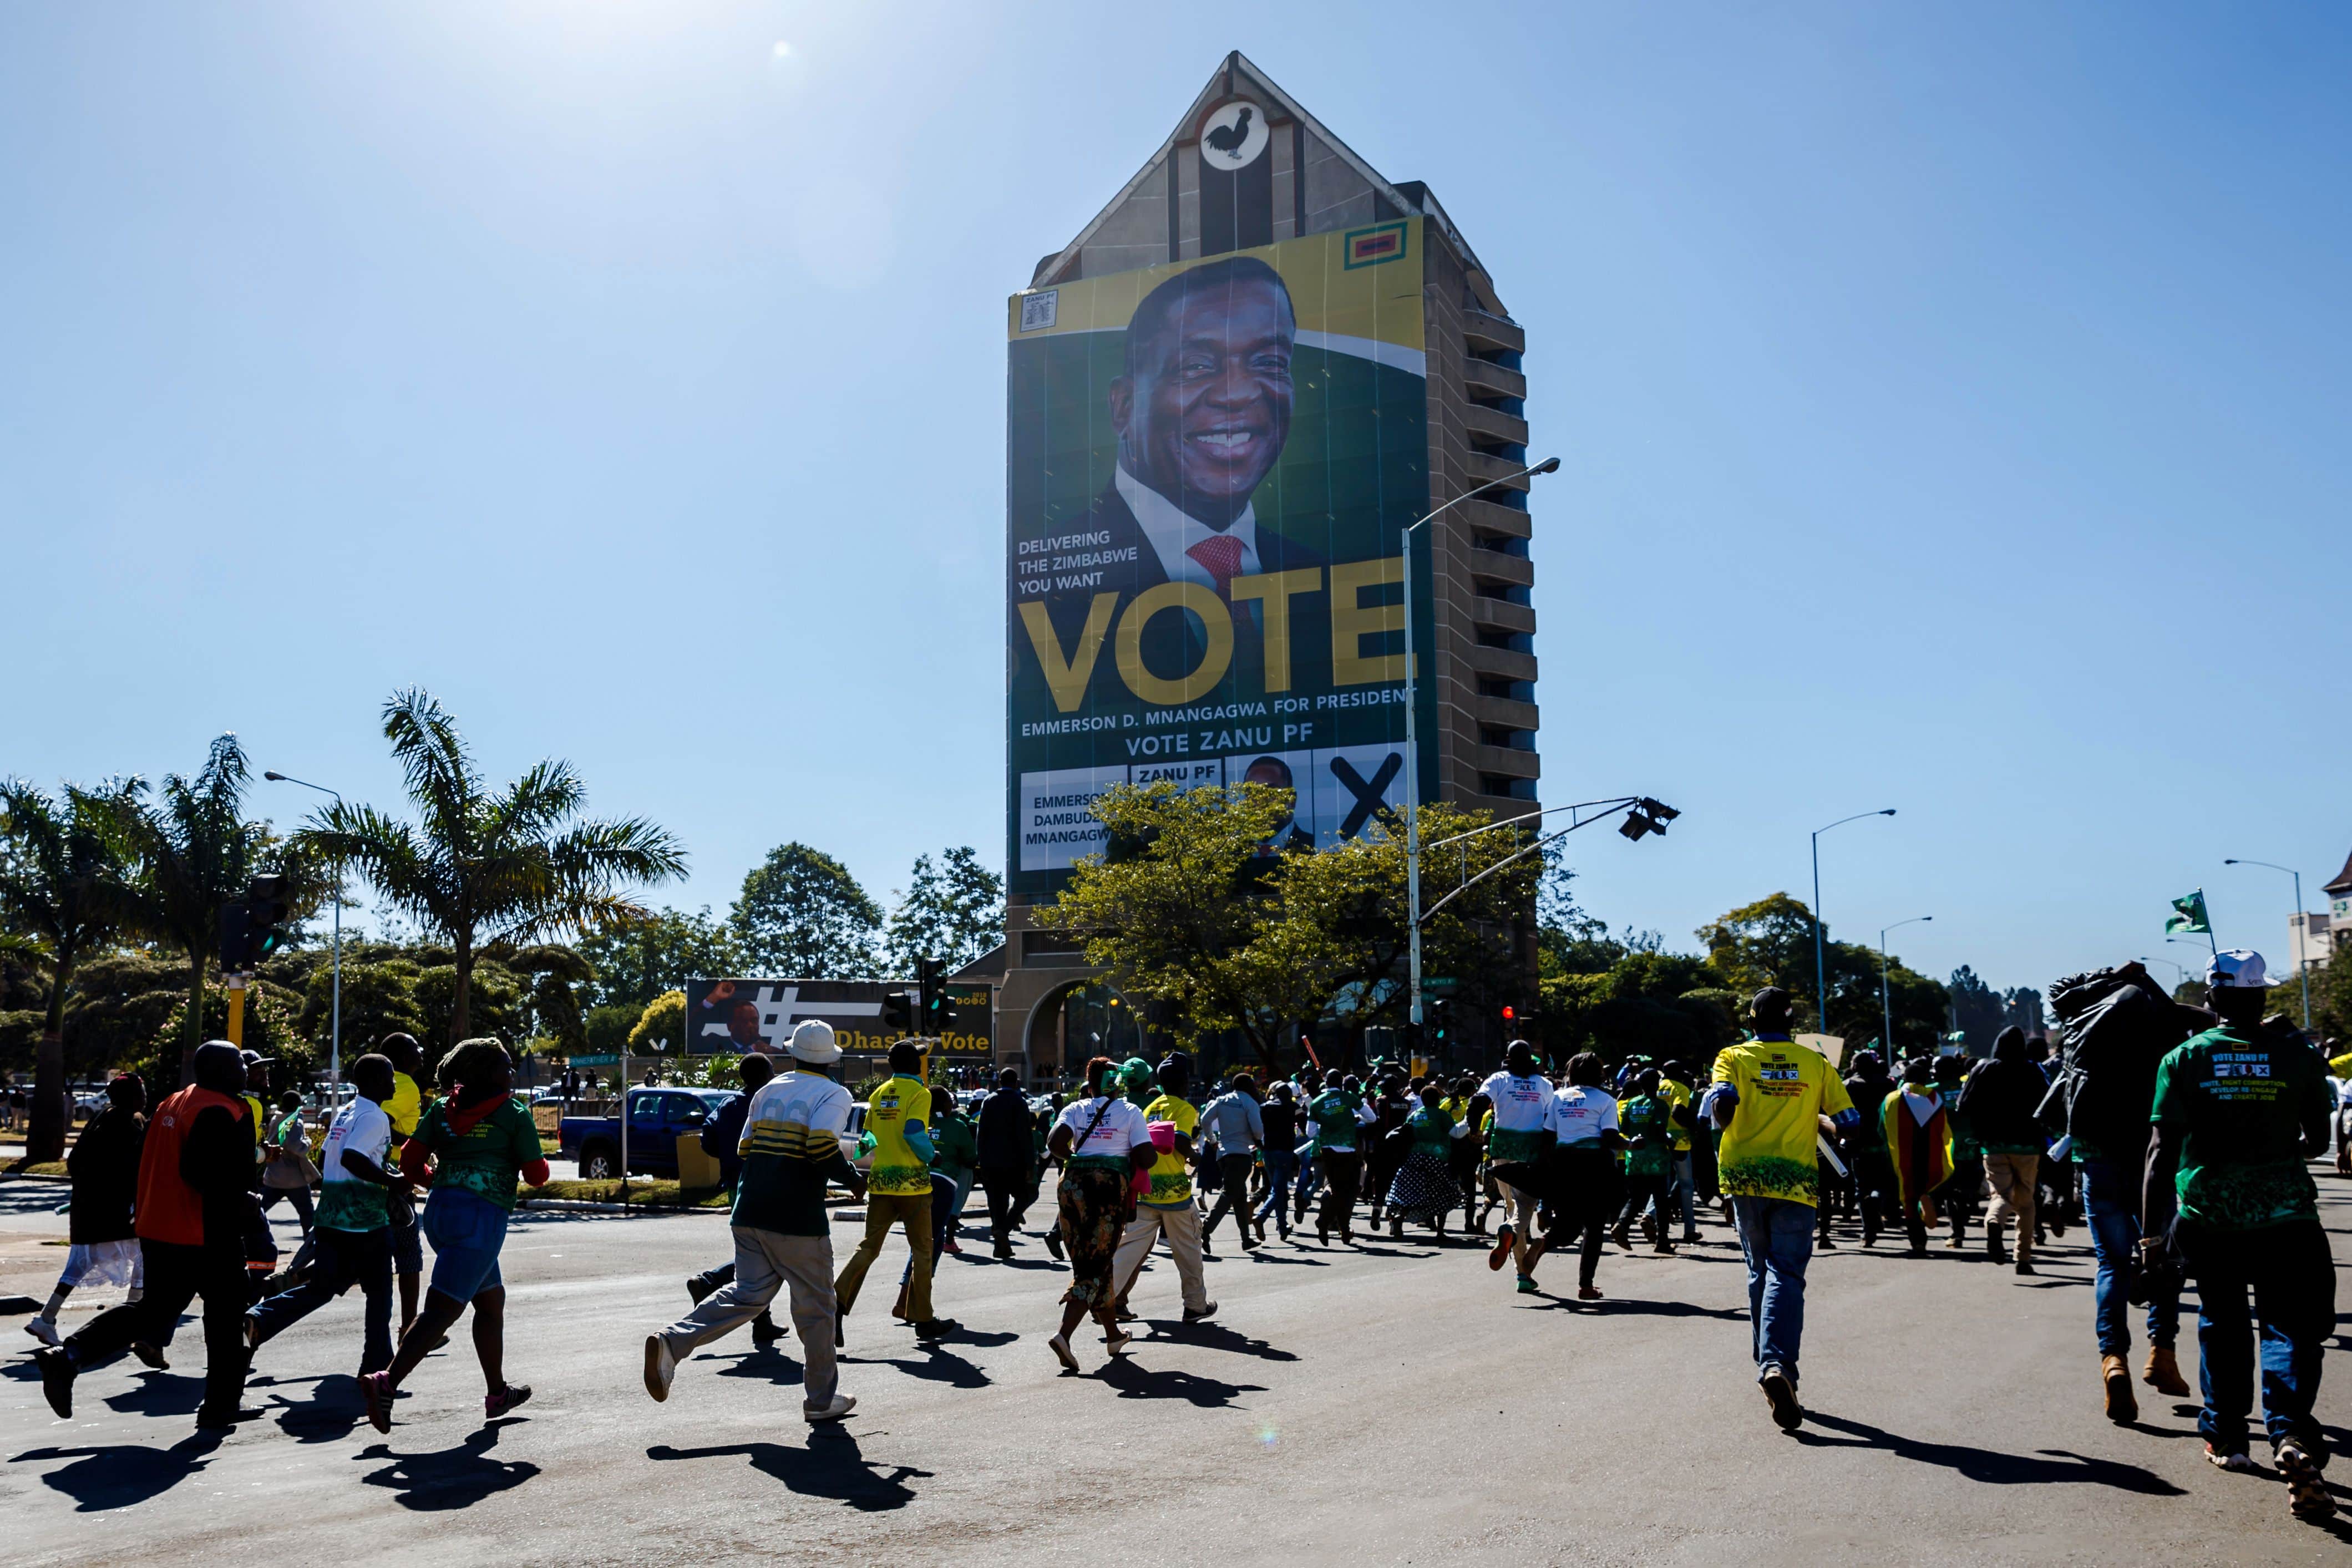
pixel 1209 466
pixel 737 1017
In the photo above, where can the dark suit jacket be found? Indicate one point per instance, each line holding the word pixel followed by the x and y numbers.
pixel 1111 515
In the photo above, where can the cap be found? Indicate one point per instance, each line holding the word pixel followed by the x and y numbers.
pixel 813 1041
pixel 2238 967
pixel 255 1058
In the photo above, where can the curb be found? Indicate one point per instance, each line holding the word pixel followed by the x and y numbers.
pixel 581 1205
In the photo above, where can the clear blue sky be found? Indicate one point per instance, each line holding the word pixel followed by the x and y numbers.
pixel 1954 403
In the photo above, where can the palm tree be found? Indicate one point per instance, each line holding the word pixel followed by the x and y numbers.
pixel 197 853
pixel 64 894
pixel 485 868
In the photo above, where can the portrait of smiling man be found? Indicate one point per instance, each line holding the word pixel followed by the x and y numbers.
pixel 1203 409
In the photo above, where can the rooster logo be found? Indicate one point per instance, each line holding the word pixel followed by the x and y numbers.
pixel 1235 135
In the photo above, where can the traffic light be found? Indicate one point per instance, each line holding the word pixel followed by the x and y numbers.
pixel 1510 1014
pixel 898 1012
pixel 931 994
pixel 1647 816
pixel 254 927
pixel 1440 1014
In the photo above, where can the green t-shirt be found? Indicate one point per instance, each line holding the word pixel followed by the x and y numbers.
pixel 1333 1112
pixel 1433 1129
pixel 955 1148
pixel 486 1158
pixel 899 1103
pixel 1643 1121
pixel 2239 1105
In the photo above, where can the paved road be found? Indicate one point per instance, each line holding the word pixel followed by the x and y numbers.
pixel 1390 1403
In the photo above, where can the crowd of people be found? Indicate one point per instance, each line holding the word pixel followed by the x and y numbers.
pixel 2178 1136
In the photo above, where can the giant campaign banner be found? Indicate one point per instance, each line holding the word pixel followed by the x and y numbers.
pixel 738 1017
pixel 1210 465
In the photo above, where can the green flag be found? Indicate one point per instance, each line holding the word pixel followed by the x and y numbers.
pixel 2189 916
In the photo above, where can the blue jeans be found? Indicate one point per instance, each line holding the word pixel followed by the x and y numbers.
pixel 1776 1237
pixel 2111 1204
pixel 1281 1171
pixel 1679 1195
pixel 467 1231
pixel 2292 1278
pixel 344 1258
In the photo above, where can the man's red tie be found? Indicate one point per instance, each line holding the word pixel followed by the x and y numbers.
pixel 1222 555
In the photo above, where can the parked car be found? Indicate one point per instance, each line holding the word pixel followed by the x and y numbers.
pixel 657 1118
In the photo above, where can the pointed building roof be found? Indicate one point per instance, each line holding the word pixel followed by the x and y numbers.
pixel 1238 76
pixel 2343 883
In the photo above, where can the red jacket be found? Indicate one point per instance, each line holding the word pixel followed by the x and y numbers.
pixel 169 1210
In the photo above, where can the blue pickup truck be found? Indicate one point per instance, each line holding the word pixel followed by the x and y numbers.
pixel 656 1119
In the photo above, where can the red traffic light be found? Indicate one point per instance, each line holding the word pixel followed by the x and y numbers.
pixel 1509 1013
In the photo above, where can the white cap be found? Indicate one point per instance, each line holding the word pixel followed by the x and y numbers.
pixel 813 1041
pixel 2241 967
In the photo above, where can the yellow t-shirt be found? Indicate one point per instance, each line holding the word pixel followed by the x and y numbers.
pixel 1677 1097
pixel 1172 1178
pixel 898 1171
pixel 405 1107
pixel 1770 1148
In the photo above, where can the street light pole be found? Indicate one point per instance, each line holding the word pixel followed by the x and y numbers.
pixel 2303 937
pixel 1412 735
pixel 1885 1005
pixel 1821 961
pixel 335 1036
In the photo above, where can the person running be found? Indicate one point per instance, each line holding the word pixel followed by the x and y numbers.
pixel 1520 1131
pixel 1770 1096
pixel 353 1232
pixel 1334 1120
pixel 1238 1126
pixel 1642 1122
pixel 2238 1111
pixel 285 1169
pixel 1919 1141
pixel 103 1166
pixel 476 1144
pixel 1008 1158
pixel 720 1138
pixel 1167 1209
pixel 1998 1102
pixel 898 1190
pixel 955 1155
pixel 1278 1118
pixel 192 1209
pixel 1865 1143
pixel 1384 1152
pixel 1582 1184
pixel 404 1110
pixel 1673 1087
pixel 1423 1187
pixel 1104 1145
pixel 790 1153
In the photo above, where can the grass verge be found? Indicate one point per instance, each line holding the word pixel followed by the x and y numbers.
pixel 645 1192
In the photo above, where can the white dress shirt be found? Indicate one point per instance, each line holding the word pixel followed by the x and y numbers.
pixel 1172 531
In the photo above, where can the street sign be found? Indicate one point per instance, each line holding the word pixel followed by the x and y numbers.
pixel 1438 982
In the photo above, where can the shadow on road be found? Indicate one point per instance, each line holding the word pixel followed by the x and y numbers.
pixel 936 1365
pixel 1217 1336
pixel 831 1465
pixel 126 1473
pixel 333 1408
pixel 767 1363
pixel 2046 1466
pixel 1134 1382
pixel 447 1478
pixel 1630 1307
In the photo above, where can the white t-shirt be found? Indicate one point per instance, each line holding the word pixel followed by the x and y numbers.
pixel 1579 1115
pixel 363 1127
pixel 1521 1105
pixel 1121 1130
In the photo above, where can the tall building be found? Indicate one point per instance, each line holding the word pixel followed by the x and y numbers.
pixel 1229 395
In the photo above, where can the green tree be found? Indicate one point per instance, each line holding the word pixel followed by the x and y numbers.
pixel 379 999
pixel 66 865
pixel 802 916
pixel 638 960
pixel 954 911
pixel 1979 1009
pixel 484 866
pixel 196 852
pixel 660 1025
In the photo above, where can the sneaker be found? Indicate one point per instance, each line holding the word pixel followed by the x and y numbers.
pixel 766 1330
pixel 1060 1345
pixel 2236 1464
pixel 1786 1413
pixel 376 1389
pixel 2024 1266
pixel 1117 1341
pixel 1204 1315
pixel 149 1356
pixel 954 1246
pixel 816 1416
pixel 661 1366
pixel 1501 1250
pixel 44 1331
pixel 2307 1497
pixel 935 1328
pixel 2114 1372
pixel 1003 1250
pixel 57 1381
pixel 1527 1285
pixel 497 1404
pixel 1054 1244
pixel 697 1288
pixel 1588 1292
